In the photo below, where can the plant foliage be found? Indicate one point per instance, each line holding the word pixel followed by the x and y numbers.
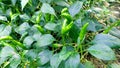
pixel 55 33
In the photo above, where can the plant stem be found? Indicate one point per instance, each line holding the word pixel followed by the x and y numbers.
pixel 63 40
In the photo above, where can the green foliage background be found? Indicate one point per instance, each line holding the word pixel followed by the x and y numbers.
pixel 57 33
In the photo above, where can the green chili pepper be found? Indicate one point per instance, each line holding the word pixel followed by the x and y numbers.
pixel 39 28
pixel 14 41
pixel 65 27
pixel 47 17
pixel 52 18
pixel 5 38
pixel 81 38
pixel 19 44
pixel 38 18
pixel 57 45
pixel 7 44
pixel 83 32
pixel 67 16
pixel 64 10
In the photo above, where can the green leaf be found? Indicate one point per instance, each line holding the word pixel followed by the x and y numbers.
pixel 14 2
pixel 2 26
pixel 31 54
pixel 81 65
pixel 108 40
pixel 14 17
pixel 44 57
pixel 24 3
pixel 46 1
pixel 36 36
pixel 94 25
pixel 56 59
pixel 75 30
pixel 65 53
pixel 75 8
pixel 73 61
pixel 46 8
pixel 22 28
pixel 61 3
pixel 28 41
pixel 102 51
pixel 45 40
pixel 6 52
pixel 115 32
pixel 15 61
pixel 50 26
pixel 3 18
pixel 24 17
pixel 5 30
pixel 89 64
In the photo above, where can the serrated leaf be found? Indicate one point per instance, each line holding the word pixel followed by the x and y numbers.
pixel 45 40
pixel 46 8
pixel 73 61
pixel 24 3
pixel 102 51
pixel 108 40
pixel 75 8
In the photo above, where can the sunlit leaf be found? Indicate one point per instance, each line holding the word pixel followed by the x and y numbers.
pixel 75 8
pixel 24 3
pixel 73 61
pixel 50 26
pixel 14 2
pixel 5 53
pixel 46 8
pixel 15 61
pixel 3 18
pixel 108 40
pixel 44 57
pixel 45 40
pixel 5 30
pixel 102 51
